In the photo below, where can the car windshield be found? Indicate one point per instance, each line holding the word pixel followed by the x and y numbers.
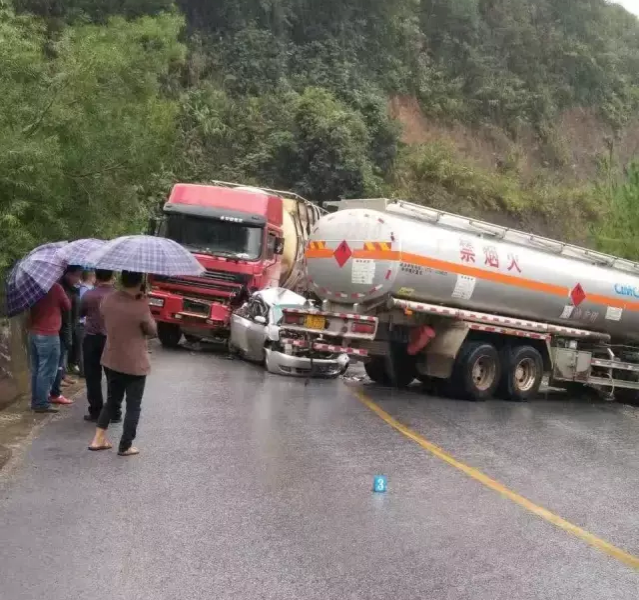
pixel 211 236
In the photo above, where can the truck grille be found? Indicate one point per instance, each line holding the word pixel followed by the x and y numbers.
pixel 208 280
pixel 226 276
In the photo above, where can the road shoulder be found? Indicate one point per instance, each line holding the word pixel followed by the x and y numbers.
pixel 19 425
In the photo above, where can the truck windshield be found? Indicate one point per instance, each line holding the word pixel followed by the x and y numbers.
pixel 211 236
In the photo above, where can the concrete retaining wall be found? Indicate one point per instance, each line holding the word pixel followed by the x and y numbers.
pixel 14 365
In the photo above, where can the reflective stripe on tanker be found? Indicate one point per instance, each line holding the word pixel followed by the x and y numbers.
pixel 424 261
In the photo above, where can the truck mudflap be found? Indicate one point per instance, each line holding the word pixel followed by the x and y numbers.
pixel 322 347
pixel 334 324
pixel 497 321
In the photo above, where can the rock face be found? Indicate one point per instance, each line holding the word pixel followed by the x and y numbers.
pixel 14 371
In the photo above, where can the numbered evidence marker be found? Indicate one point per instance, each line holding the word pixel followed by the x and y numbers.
pixel 379 483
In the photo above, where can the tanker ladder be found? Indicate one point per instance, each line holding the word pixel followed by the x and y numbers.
pixel 467 353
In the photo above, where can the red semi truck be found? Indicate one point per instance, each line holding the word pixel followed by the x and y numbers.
pixel 246 238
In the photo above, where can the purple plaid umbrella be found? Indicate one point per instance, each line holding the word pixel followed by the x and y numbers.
pixel 146 254
pixel 32 277
pixel 77 252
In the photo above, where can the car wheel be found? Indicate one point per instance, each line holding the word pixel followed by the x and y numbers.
pixel 269 362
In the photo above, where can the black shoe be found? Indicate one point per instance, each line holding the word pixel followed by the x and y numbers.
pixel 46 409
pixel 90 418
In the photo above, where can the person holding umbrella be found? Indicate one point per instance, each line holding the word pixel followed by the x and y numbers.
pixel 69 281
pixel 94 342
pixel 44 324
pixel 129 323
pixel 87 284
pixel 32 285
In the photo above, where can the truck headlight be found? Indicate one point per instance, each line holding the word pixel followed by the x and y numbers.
pixel 156 302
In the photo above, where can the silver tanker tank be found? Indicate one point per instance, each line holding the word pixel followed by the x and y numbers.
pixel 407 251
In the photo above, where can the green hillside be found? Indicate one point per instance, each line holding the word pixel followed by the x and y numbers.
pixel 520 111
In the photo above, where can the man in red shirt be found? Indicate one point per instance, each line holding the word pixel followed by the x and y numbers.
pixel 45 320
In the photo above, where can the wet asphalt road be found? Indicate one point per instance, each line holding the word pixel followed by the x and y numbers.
pixel 255 486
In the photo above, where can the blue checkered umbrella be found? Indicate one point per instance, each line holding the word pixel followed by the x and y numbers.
pixel 146 254
pixel 32 277
pixel 77 253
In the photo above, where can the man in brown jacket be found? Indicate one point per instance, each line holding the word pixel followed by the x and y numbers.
pixel 128 323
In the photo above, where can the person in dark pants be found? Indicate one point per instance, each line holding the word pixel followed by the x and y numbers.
pixel 128 323
pixel 87 283
pixel 69 281
pixel 94 341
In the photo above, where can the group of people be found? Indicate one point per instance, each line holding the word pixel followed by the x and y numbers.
pixel 111 325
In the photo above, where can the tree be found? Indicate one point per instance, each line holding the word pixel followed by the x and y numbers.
pixel 617 233
pixel 81 133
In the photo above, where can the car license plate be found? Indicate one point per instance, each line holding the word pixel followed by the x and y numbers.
pixel 199 308
pixel 315 322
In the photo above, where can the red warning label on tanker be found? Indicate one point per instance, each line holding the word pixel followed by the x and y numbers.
pixel 342 253
pixel 577 295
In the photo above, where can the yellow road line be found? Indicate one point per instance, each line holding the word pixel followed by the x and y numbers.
pixel 593 540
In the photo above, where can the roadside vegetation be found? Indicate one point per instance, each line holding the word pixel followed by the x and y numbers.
pixel 106 103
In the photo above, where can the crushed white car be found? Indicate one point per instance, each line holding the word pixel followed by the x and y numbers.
pixel 255 336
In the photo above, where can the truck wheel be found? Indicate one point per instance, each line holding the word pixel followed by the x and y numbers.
pixel 401 371
pixel 522 372
pixel 477 371
pixel 627 396
pixel 169 334
pixel 376 370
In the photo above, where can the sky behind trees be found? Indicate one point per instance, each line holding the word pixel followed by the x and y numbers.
pixel 631 5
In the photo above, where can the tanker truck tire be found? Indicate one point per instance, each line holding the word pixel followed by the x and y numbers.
pixel 169 334
pixel 627 396
pixel 522 373
pixel 376 370
pixel 400 366
pixel 477 372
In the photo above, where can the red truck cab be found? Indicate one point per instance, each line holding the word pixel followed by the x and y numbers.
pixel 235 232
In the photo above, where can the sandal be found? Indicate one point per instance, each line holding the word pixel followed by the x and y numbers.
pixel 98 448
pixel 130 452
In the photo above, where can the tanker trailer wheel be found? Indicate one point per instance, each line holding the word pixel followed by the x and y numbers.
pixel 400 366
pixel 376 370
pixel 477 371
pixel 522 372
pixel 627 396
pixel 169 334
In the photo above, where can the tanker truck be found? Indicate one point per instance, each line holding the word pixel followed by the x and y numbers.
pixel 247 239
pixel 418 293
